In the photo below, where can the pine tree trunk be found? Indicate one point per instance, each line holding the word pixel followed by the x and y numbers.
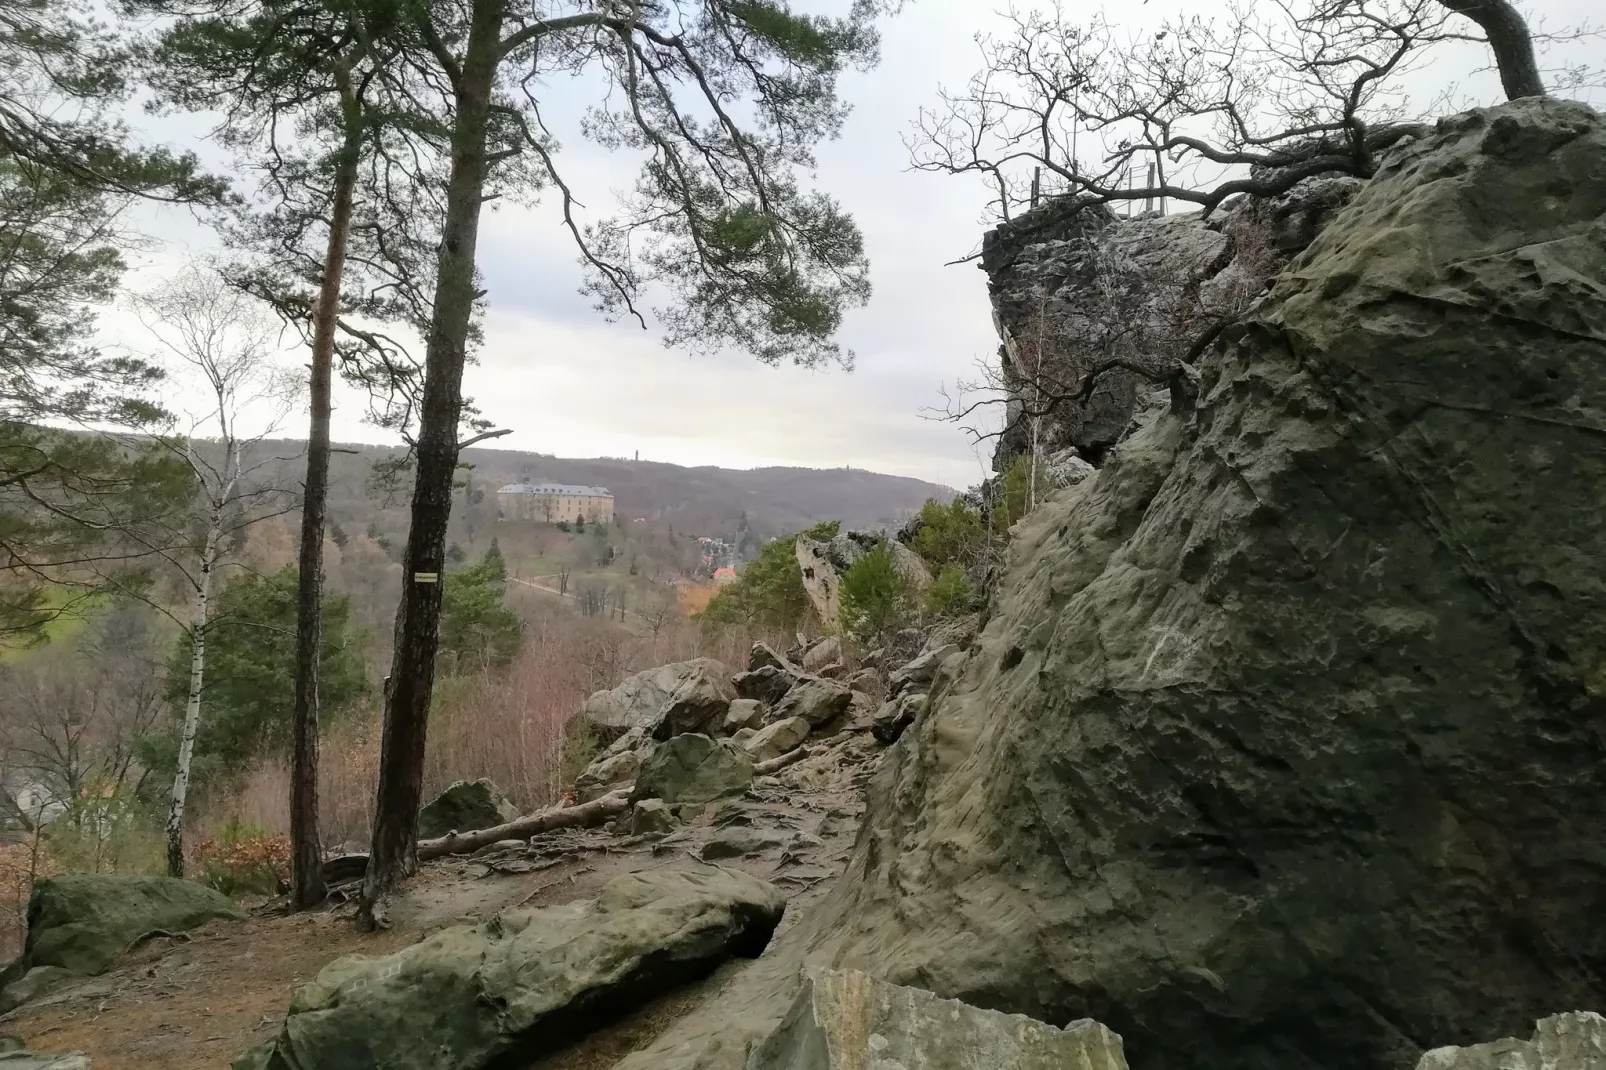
pixel 1511 42
pixel 393 853
pixel 192 706
pixel 306 852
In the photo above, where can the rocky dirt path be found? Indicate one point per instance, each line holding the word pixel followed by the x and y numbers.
pixel 198 1003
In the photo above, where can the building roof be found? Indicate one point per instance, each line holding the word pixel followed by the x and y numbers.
pixel 565 489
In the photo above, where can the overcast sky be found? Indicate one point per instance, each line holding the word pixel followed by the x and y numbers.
pixel 571 384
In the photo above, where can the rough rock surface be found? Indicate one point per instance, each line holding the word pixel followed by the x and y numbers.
pixel 698 704
pixel 525 981
pixel 693 768
pixel 1281 749
pixel 1575 1041
pixel 466 806
pixel 818 701
pixel 847 1020
pixel 639 698
pixel 83 922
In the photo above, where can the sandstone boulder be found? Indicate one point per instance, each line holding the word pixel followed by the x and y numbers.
pixel 465 806
pixel 763 655
pixel 847 1020
pixel 651 817
pixel 817 701
pixel 693 768
pixel 640 698
pixel 698 704
pixel 776 739
pixel 867 682
pixel 1575 1041
pixel 742 713
pixel 765 684
pixel 525 982
pixel 824 652
pixel 83 922
pixel 605 774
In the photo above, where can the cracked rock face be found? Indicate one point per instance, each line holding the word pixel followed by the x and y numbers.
pixel 1285 747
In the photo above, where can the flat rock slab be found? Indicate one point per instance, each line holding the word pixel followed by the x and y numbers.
pixel 1575 1041
pixel 847 1020
pixel 524 983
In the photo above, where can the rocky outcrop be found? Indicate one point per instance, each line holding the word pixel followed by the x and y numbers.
pixel 525 982
pixel 465 806
pixel 1575 1041
pixel 816 700
pixel 847 1020
pixel 1075 286
pixel 823 652
pixel 82 923
pixel 698 703
pixel 693 768
pixel 639 699
pixel 1281 747
pixel 823 563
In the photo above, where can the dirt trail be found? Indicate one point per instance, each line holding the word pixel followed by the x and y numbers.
pixel 196 1004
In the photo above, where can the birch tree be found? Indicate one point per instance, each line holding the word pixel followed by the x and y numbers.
pixel 303 94
pixel 221 348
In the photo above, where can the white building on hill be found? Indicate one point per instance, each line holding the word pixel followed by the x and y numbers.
pixel 551 502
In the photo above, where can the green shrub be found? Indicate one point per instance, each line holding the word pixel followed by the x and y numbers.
pixel 769 592
pixel 952 534
pixel 476 629
pixel 949 594
pixel 250 675
pixel 1015 495
pixel 876 598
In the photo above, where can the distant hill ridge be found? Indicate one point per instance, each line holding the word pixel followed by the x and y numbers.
pixel 775 498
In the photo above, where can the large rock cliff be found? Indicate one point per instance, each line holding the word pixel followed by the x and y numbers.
pixel 1286 746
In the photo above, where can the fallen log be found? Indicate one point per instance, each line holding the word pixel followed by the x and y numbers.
pixel 347 869
pixel 781 761
pixel 585 815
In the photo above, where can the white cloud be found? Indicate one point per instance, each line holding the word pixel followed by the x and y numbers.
pixel 570 384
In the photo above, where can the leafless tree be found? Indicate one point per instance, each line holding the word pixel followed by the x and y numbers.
pixel 222 345
pixel 1202 110
pixel 73 715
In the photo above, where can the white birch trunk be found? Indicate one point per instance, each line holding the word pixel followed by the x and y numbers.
pixel 192 707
